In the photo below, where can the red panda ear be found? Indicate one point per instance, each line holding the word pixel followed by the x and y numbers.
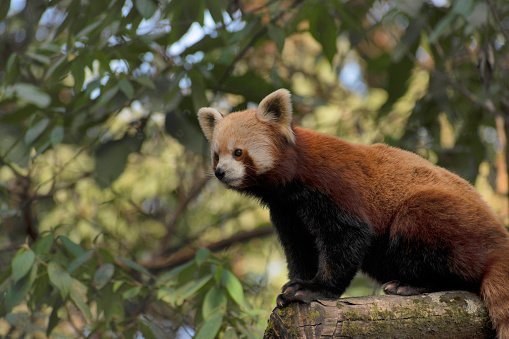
pixel 208 117
pixel 277 108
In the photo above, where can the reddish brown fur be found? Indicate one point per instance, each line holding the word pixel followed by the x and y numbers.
pixel 374 182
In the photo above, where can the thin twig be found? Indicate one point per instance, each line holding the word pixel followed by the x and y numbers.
pixel 182 257
pixel 181 207
pixel 497 19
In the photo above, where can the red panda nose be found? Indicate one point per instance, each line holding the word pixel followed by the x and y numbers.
pixel 219 173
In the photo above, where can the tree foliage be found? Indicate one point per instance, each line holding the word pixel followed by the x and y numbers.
pixel 104 197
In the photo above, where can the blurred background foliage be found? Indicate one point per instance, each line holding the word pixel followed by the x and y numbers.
pixel 110 226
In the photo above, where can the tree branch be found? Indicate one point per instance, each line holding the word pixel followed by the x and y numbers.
pixel 181 207
pixel 188 254
pixel 452 314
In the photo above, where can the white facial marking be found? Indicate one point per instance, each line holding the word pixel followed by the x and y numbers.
pixel 234 170
pixel 246 132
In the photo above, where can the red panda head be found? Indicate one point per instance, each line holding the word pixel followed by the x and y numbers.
pixel 244 144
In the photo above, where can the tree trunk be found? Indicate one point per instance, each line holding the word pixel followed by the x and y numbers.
pixel 454 314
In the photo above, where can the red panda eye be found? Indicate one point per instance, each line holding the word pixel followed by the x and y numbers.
pixel 237 153
pixel 216 156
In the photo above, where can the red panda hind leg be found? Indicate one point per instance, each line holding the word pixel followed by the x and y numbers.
pixel 437 241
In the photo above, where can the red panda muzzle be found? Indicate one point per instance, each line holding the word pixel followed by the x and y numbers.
pixel 219 173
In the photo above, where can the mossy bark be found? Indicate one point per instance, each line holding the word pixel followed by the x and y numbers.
pixel 454 314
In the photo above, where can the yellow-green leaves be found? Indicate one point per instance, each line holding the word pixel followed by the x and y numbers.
pixel 103 275
pixel 60 279
pixel 215 300
pixel 146 8
pixel 233 286
pixel 32 94
pixel 22 264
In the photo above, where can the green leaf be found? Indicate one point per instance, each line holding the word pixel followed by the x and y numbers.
pixel 117 285
pixel 150 330
pixel 250 85
pixel 35 131
pixel 57 135
pixel 126 87
pixel 39 58
pixel 12 71
pixel 201 255
pixel 233 286
pixel 134 266
pixel 107 96
pixel 22 264
pixel 86 31
pixel 53 318
pixel 40 291
pixel 75 249
pixel 17 292
pixel 167 294
pixel 60 65
pixel 111 158
pixel 192 287
pixel 230 333
pixel 277 34
pixel 44 244
pixel 103 275
pixel 479 15
pixel 80 260
pixel 60 279
pixel 198 92
pixel 323 29
pixel 79 297
pixel 219 274
pixel 179 125
pixel 170 275
pixel 441 27
pixel 78 73
pixel 210 328
pixel 146 328
pixel 399 74
pixel 131 293
pixel 463 7
pixel 214 299
pixel 146 8
pixel 32 94
pixel 145 82
pixel 110 303
pixel 22 321
pixel 4 8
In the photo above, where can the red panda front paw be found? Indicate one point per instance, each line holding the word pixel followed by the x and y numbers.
pixel 298 290
pixel 398 288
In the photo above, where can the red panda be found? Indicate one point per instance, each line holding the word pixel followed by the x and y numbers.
pixel 338 208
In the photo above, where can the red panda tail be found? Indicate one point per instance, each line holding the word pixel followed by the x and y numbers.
pixel 495 291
